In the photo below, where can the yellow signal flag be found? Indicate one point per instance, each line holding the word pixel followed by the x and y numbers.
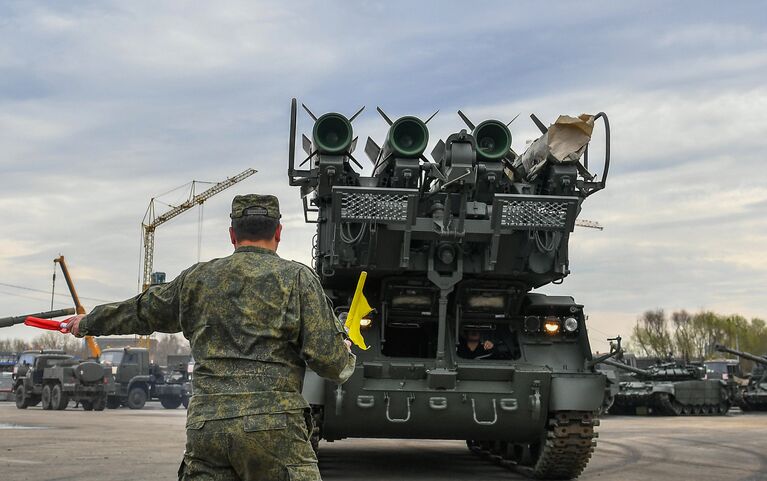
pixel 358 310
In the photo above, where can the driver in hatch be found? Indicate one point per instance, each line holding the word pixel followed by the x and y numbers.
pixel 472 346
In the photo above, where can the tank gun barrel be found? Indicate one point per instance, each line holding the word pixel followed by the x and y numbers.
pixel 744 355
pixel 626 367
pixel 13 320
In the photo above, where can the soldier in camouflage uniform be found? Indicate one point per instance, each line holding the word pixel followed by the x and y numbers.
pixel 254 322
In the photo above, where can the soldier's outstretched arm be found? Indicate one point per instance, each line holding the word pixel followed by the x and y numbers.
pixel 322 335
pixel 154 310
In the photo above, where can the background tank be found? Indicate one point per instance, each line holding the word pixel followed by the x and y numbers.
pixel 670 389
pixel 752 396
pixel 452 249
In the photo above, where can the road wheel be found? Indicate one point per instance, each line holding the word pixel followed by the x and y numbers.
pixel 113 402
pixel 170 402
pixel 47 397
pixel 59 400
pixel 21 397
pixel 87 405
pixel 136 398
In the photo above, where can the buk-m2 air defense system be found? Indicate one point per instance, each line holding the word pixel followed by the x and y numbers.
pixel 752 396
pixel 54 379
pixel 669 389
pixel 452 248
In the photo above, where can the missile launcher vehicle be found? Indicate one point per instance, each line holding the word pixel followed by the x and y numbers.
pixel 459 346
pixel 670 389
pixel 752 396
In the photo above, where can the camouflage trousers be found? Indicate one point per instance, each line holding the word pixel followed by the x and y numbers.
pixel 263 447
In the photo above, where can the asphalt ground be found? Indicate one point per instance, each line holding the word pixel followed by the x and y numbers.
pixel 37 445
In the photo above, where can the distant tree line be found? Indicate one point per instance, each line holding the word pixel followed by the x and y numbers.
pixel 167 344
pixel 693 335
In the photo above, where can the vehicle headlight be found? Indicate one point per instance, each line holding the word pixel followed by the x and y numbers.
pixel 114 370
pixel 366 322
pixel 551 326
pixel 571 324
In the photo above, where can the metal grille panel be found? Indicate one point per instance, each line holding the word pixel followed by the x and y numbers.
pixel 535 214
pixel 374 207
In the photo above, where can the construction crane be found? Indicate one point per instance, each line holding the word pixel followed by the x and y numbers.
pixel 591 224
pixel 152 221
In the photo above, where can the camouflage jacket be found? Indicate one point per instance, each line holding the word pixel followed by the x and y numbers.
pixel 254 322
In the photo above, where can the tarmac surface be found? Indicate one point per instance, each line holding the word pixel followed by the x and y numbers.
pixel 37 445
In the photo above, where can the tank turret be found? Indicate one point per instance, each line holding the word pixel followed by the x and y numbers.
pixel 670 371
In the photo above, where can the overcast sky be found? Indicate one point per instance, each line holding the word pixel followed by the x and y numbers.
pixel 104 105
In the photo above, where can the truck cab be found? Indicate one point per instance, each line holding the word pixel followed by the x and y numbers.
pixel 27 359
pixel 130 376
pixel 134 380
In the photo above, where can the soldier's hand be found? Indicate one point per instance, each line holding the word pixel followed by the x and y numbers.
pixel 348 345
pixel 73 324
pixel 488 345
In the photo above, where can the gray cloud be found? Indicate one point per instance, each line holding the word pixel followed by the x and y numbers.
pixel 105 104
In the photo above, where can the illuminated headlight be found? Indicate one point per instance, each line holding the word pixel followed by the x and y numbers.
pixel 551 326
pixel 571 324
pixel 365 323
pixel 114 370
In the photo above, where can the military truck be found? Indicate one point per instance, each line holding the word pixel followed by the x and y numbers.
pixel 753 396
pixel 670 389
pixel 55 379
pixel 24 361
pixel 724 369
pixel 135 380
pixel 452 248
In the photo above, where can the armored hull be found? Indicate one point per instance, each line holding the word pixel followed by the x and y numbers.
pixel 680 398
pixel 459 348
pixel 669 389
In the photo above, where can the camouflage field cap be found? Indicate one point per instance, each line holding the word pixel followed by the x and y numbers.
pixel 255 204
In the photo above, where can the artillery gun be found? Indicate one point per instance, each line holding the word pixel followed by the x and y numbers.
pixel 452 248
pixel 752 396
pixel 670 389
